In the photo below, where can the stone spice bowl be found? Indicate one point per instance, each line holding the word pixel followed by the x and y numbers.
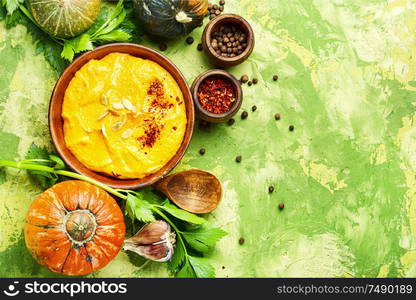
pixel 213 26
pixel 213 117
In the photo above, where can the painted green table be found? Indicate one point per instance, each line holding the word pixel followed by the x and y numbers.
pixel 347 82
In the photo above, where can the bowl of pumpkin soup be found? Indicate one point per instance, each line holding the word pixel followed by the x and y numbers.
pixel 122 114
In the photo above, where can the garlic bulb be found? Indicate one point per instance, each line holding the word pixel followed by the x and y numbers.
pixel 154 241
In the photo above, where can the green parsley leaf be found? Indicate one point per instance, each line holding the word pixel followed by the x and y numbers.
pixel 115 35
pixel 204 237
pixel 11 5
pixel 45 179
pixel 139 209
pixel 201 267
pixel 187 271
pixel 182 214
pixel 178 258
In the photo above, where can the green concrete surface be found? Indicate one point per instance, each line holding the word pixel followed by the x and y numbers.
pixel 347 82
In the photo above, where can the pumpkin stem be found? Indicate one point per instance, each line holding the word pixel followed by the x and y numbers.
pixel 183 18
pixel 80 225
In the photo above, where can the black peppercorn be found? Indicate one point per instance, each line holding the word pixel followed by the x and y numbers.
pixel 241 241
pixel 277 116
pixel 199 47
pixel 163 47
pixel 231 121
pixel 271 189
pixel 291 127
pixel 238 159
pixel 202 151
pixel 281 206
pixel 244 78
pixel 254 108
pixel 244 115
pixel 275 77
pixel 189 40
pixel 255 80
pixel 249 83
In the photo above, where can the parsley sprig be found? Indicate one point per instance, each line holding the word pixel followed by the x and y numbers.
pixel 114 24
pixel 195 236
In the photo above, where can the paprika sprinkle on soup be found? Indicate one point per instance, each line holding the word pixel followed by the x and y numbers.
pixel 216 95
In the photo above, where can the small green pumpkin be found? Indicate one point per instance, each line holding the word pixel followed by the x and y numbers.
pixel 170 18
pixel 64 18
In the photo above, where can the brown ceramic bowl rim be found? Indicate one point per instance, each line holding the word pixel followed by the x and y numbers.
pixel 246 27
pixel 56 130
pixel 237 88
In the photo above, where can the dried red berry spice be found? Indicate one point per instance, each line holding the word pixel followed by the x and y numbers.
pixel 151 134
pixel 216 95
pixel 156 88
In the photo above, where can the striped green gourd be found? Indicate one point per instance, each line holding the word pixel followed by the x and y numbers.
pixel 64 18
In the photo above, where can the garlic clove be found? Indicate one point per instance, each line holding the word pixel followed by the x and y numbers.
pixel 158 252
pixel 151 233
pixel 154 241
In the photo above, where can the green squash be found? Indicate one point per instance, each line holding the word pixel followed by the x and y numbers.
pixel 64 18
pixel 170 18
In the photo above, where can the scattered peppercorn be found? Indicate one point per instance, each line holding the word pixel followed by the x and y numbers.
pixel 275 77
pixel 291 127
pixel 271 189
pixel 244 115
pixel 254 108
pixel 277 116
pixel 189 40
pixel 244 78
pixel 231 121
pixel 199 47
pixel 202 151
pixel 249 83
pixel 216 95
pixel 163 47
pixel 215 10
pixel 238 158
pixel 223 267
pixel 255 80
pixel 281 206
pixel 241 241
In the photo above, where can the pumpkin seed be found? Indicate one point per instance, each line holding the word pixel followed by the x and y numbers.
pixel 128 105
pixel 118 105
pixel 103 131
pixel 117 126
pixel 104 100
pixel 103 115
pixel 127 133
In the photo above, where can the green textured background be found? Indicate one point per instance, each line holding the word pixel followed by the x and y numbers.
pixel 347 82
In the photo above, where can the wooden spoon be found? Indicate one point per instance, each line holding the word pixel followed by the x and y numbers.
pixel 196 191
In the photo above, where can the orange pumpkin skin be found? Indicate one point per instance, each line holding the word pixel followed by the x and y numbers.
pixel 74 228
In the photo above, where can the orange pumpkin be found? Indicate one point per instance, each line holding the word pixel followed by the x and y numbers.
pixel 74 228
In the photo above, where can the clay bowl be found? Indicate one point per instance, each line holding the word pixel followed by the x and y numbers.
pixel 213 117
pixel 213 26
pixel 56 121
